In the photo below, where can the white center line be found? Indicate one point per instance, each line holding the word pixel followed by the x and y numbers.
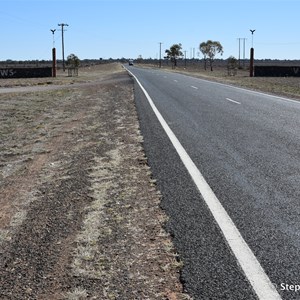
pixel 228 99
pixel 175 80
pixel 256 275
pixel 194 87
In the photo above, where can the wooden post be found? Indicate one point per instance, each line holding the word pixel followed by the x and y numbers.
pixel 251 62
pixel 53 62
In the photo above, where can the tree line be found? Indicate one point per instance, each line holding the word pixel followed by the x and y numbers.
pixel 209 49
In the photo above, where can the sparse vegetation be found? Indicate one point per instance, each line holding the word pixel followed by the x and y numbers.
pixel 80 216
pixel 281 86
pixel 174 53
pixel 77 294
pixel 73 61
pixel 209 50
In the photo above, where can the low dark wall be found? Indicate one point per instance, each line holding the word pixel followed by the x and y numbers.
pixel 25 72
pixel 276 71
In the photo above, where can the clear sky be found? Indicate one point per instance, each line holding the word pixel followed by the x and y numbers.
pixel 129 28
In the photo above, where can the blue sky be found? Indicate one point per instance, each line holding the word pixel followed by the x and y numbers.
pixel 129 28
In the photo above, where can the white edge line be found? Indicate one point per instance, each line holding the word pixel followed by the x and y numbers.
pixel 194 87
pixel 236 102
pixel 257 277
pixel 247 90
pixel 240 88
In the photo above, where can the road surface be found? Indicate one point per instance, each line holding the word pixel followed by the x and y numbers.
pixel 246 146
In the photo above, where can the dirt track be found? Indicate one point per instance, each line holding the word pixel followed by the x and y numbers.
pixel 80 216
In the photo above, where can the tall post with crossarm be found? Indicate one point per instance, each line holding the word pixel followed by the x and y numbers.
pixel 62 42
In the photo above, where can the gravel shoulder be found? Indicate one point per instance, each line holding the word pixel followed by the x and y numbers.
pixel 80 212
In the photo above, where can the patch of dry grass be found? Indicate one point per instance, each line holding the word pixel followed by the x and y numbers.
pixel 72 162
pixel 77 294
pixel 86 74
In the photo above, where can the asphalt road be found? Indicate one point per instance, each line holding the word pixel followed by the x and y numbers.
pixel 247 147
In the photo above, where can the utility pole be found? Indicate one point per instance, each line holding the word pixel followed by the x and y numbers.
pixel 62 41
pixel 244 39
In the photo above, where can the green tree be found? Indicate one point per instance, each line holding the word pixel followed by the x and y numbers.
pixel 73 61
pixel 232 62
pixel 210 49
pixel 204 50
pixel 173 53
pixel 140 59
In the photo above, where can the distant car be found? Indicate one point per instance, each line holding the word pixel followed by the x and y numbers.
pixel 130 62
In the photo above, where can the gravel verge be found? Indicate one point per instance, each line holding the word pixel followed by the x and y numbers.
pixel 80 215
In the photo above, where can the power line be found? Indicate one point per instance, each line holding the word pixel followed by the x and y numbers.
pixel 62 41
pixel 241 39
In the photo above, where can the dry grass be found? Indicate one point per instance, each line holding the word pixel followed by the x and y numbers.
pixel 77 294
pixel 281 86
pixel 78 205
pixel 86 74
